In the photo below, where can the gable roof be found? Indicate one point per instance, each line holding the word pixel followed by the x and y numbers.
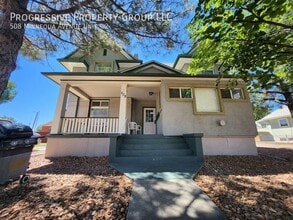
pixel 152 68
pixel 282 112
pixel 69 56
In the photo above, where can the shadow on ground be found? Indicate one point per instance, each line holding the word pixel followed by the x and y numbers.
pixel 91 166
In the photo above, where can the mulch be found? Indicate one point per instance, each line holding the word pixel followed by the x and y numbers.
pixel 244 187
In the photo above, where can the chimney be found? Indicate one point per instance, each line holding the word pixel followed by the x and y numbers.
pixel 135 56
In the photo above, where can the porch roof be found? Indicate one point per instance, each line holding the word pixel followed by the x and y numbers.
pixel 118 77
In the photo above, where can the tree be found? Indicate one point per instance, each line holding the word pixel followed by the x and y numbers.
pixel 260 107
pixel 9 93
pixel 40 25
pixel 247 39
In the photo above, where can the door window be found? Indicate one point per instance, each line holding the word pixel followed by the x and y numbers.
pixel 149 115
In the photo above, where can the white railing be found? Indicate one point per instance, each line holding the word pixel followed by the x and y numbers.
pixel 90 125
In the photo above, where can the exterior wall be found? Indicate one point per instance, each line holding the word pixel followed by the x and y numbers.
pixel 77 146
pixel 98 57
pixel 178 117
pixel 229 145
pixel 72 102
pixel 159 122
pixel 83 108
pixel 137 110
pixel 79 69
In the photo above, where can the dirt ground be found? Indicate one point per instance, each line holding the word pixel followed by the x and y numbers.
pixel 244 187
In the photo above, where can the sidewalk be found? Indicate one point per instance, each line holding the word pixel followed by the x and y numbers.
pixel 170 199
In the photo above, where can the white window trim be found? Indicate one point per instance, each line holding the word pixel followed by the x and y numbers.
pixel 100 107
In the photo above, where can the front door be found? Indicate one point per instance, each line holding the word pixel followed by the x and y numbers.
pixel 149 116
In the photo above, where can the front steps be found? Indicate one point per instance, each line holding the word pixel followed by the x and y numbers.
pixel 155 156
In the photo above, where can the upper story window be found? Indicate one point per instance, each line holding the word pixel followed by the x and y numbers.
pixel 232 94
pixel 103 67
pixel 105 52
pixel 99 108
pixel 283 122
pixel 180 93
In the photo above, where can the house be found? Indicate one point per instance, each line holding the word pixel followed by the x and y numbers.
pixel 276 126
pixel 100 94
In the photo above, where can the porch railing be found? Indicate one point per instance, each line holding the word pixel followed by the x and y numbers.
pixel 89 125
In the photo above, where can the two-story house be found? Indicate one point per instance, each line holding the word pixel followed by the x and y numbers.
pixel 101 94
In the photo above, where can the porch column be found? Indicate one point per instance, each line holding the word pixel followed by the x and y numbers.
pixel 123 109
pixel 60 108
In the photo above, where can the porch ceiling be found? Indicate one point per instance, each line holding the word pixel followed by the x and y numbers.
pixel 109 90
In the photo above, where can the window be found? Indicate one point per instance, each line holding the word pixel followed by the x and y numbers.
pixel 231 94
pixel 99 108
pixel 103 67
pixel 105 52
pixel 283 122
pixel 180 93
pixel 207 100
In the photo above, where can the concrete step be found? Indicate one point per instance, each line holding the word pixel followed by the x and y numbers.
pixel 155 146
pixel 157 159
pixel 163 153
pixel 151 139
pixel 156 164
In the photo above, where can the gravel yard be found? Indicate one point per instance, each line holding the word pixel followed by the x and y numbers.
pixel 244 187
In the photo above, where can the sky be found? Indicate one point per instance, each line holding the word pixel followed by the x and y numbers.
pixel 37 94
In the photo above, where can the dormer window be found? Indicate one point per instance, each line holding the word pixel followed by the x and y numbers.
pixel 103 67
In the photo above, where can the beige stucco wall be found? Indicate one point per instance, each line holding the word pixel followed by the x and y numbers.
pixel 137 110
pixel 179 118
pixel 71 107
pixel 230 145
pixel 236 137
pixel 83 107
pixel 77 146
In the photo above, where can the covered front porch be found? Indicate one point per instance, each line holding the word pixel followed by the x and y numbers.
pixel 106 107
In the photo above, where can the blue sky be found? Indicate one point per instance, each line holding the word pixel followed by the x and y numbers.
pixel 36 93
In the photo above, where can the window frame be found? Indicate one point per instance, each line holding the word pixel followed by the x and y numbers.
pixel 99 107
pixel 221 108
pixel 180 98
pixel 108 63
pixel 243 96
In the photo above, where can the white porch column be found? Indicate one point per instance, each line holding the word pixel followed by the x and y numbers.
pixel 123 109
pixel 60 108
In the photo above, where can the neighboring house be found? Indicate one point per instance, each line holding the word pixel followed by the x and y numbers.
pixel 102 93
pixel 276 126
pixel 45 130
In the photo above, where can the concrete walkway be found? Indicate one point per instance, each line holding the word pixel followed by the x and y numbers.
pixel 170 199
